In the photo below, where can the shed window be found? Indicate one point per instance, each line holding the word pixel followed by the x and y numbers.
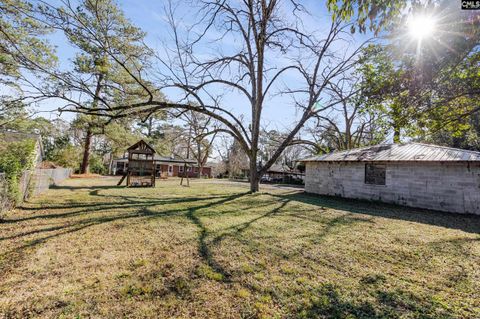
pixel 375 174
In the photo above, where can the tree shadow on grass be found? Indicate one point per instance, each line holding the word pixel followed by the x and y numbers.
pixel 465 222
pixel 141 211
pixel 204 249
pixel 76 188
pixel 327 301
pixel 236 230
pixel 125 203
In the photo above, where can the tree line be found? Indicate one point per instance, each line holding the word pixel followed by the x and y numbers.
pixel 343 90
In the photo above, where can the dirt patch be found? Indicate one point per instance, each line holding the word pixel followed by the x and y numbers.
pixel 85 176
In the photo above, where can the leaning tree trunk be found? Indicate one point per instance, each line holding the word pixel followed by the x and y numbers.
pixel 86 152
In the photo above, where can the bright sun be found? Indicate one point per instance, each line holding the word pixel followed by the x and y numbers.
pixel 421 27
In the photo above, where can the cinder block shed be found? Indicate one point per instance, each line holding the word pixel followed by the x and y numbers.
pixel 410 174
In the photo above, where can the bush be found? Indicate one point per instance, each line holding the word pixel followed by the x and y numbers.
pixel 69 156
pixel 15 158
pixel 96 165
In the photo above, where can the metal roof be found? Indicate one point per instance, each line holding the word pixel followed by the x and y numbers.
pixel 407 152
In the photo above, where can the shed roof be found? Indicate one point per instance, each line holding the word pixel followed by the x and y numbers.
pixel 141 147
pixel 407 152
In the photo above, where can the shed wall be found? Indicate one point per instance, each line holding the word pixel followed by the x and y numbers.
pixel 450 187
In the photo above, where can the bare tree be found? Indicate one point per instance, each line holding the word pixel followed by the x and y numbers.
pixel 254 70
pixel 202 140
pixel 348 124
pixel 270 45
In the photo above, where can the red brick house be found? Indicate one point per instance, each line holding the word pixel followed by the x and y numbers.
pixel 167 167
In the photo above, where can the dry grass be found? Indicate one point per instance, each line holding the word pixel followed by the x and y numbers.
pixel 91 249
pixel 89 175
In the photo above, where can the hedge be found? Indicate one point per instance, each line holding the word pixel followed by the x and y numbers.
pixel 15 158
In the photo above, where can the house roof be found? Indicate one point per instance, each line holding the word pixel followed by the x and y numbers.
pixel 173 159
pixel 275 168
pixel 167 159
pixel 407 152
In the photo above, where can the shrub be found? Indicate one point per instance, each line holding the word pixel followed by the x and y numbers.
pixel 69 156
pixel 15 158
pixel 96 165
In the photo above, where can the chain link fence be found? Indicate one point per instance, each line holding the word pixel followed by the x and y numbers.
pixel 43 179
pixel 24 183
pixel 31 183
pixel 4 201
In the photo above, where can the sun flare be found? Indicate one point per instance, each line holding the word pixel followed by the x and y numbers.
pixel 421 27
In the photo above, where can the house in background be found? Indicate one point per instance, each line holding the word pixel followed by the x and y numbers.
pixel 276 174
pixel 166 166
pixel 283 174
pixel 410 174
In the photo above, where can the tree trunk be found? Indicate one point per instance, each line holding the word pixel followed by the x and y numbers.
pixel 88 139
pixel 396 134
pixel 86 152
pixel 110 164
pixel 200 159
pixel 254 178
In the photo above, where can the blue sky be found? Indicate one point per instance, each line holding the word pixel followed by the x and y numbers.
pixel 149 15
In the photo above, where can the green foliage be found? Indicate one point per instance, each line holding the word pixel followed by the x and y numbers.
pixel 118 137
pixel 422 90
pixel 96 165
pixel 373 15
pixel 69 156
pixel 51 146
pixel 15 158
pixel 21 42
pixel 107 44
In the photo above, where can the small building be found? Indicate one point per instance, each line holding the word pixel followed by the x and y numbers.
pixel 166 167
pixel 410 174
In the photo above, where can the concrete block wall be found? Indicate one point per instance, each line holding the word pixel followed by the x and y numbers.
pixel 449 187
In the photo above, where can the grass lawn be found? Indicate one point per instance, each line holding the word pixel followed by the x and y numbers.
pixel 92 249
